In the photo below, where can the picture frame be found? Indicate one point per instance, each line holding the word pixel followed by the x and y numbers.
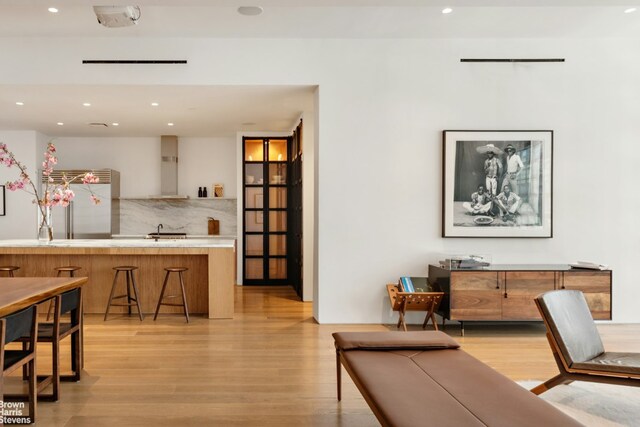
pixel 3 206
pixel 497 183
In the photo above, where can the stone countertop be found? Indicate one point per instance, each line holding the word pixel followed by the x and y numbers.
pixel 189 237
pixel 120 243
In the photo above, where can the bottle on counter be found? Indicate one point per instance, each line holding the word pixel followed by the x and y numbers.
pixel 204 191
pixel 199 191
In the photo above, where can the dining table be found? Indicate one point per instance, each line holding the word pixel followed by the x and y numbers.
pixel 17 293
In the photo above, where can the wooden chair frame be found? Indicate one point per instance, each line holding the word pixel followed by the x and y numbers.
pixel 414 301
pixel 567 374
pixel 75 330
pixel 29 362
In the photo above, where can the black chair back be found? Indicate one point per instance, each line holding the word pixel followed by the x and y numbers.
pixel 19 324
pixel 70 301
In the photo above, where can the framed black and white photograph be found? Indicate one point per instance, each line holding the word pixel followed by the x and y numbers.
pixel 497 183
pixel 3 207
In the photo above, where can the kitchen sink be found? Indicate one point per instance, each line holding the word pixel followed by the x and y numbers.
pixel 166 236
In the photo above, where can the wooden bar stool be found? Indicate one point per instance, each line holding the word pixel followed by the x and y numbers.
pixel 170 270
pixel 71 269
pixel 9 269
pixel 131 282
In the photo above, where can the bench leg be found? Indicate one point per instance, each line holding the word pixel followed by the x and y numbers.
pixel 339 375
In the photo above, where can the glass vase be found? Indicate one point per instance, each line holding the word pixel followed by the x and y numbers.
pixel 45 229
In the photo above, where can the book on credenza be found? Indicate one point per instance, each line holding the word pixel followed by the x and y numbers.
pixel 589 265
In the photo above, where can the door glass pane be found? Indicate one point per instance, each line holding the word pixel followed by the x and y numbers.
pixel 277 268
pixel 277 244
pixel 254 150
pixel 277 150
pixel 253 198
pixel 253 245
pixel 277 197
pixel 254 268
pixel 277 173
pixel 277 221
pixel 254 221
pixel 253 173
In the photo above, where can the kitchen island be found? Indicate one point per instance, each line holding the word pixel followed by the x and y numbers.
pixel 209 281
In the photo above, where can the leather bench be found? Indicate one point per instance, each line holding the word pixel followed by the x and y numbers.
pixel 424 378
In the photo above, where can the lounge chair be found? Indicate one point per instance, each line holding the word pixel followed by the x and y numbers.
pixel 577 347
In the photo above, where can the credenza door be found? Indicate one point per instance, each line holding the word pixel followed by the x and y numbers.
pixel 475 295
pixel 520 290
pixel 596 287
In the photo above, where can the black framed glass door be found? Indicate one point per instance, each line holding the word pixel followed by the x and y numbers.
pixel 265 220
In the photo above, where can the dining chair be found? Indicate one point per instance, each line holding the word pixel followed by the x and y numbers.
pixel 13 327
pixel 53 333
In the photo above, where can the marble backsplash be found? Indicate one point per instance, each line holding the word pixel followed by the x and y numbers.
pixel 142 216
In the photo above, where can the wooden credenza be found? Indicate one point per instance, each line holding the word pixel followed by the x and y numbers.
pixel 507 292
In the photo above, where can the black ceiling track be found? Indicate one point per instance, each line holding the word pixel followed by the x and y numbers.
pixel 134 61
pixel 512 60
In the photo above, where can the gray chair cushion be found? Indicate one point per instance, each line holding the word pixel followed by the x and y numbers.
pixel 570 322
pixel 610 362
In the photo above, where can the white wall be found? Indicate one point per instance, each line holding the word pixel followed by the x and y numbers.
pixel 202 161
pixel 137 160
pixel 382 107
pixel 21 214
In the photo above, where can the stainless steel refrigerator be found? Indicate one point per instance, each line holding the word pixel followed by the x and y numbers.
pixel 82 219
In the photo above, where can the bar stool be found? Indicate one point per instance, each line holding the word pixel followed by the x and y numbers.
pixel 131 282
pixel 71 269
pixel 9 269
pixel 170 270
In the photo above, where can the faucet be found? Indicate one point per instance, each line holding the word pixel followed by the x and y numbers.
pixel 158 232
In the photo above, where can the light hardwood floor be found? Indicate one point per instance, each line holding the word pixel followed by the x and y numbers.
pixel 270 366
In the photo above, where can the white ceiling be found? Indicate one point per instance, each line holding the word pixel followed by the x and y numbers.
pixel 194 110
pixel 216 111
pixel 331 19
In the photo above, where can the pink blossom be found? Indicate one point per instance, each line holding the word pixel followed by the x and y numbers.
pixel 55 194
pixel 90 178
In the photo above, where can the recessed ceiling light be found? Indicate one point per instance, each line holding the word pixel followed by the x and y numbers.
pixel 154 104
pixel 250 10
pixel 447 10
pixel 169 124
pixel 20 103
pixel 53 10
pixel 630 10
pixel 87 104
pixel 115 124
pixel 60 124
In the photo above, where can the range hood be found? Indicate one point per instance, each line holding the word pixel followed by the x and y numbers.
pixel 169 168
